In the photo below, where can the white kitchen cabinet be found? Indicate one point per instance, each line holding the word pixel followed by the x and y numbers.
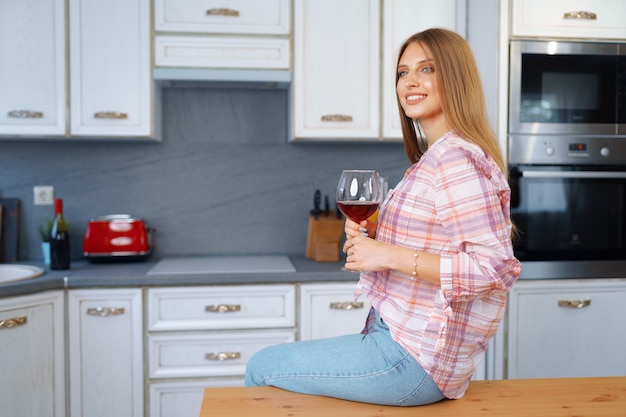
pixel 582 19
pixel 402 18
pixel 184 398
pixel 338 91
pixel 107 86
pixel 329 309
pixel 224 34
pixel 32 67
pixel 203 336
pixel 105 352
pixel 567 328
pixel 110 68
pixel 32 372
pixel 270 17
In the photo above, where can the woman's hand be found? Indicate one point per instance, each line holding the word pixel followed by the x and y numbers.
pixel 353 229
pixel 362 252
pixel 366 254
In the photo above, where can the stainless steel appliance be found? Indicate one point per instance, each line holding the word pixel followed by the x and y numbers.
pixel 571 211
pixel 567 158
pixel 564 87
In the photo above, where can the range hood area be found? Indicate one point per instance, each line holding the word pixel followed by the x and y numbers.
pixel 222 78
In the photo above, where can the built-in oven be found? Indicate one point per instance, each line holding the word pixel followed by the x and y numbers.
pixel 567 157
pixel 568 201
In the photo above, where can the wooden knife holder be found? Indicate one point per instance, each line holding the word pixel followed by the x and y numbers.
pixel 324 237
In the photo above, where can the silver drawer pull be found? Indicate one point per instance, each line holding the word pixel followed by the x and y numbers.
pixel 574 303
pixel 222 308
pixel 222 356
pixel 14 322
pixel 105 311
pixel 580 15
pixel 336 118
pixel 25 114
pixel 110 115
pixel 222 11
pixel 346 305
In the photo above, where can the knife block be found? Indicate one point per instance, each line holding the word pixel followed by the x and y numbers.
pixel 324 237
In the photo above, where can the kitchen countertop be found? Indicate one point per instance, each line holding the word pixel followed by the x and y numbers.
pixel 84 274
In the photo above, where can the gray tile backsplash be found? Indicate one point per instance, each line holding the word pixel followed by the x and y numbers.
pixel 224 180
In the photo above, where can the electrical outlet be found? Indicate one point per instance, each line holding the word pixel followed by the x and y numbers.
pixel 43 195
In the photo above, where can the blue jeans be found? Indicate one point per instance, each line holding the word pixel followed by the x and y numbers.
pixel 369 368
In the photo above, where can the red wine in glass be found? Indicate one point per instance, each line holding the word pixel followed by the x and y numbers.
pixel 358 193
pixel 358 210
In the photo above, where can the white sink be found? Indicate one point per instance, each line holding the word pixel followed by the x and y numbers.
pixel 16 272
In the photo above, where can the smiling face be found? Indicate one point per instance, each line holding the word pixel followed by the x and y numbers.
pixel 418 90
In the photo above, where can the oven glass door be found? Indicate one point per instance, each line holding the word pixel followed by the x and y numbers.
pixel 569 213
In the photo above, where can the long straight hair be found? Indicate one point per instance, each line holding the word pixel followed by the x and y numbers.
pixel 461 92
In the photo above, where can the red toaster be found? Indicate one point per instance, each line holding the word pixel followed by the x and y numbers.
pixel 117 237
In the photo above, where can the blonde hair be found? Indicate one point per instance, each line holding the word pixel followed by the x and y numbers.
pixel 460 89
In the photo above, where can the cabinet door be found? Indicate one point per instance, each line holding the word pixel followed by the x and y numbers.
pixel 582 19
pixel 105 352
pixel 336 69
pixel 184 398
pixel 269 17
pixel 32 67
pixel 32 371
pixel 110 91
pixel 329 309
pixel 567 329
pixel 401 19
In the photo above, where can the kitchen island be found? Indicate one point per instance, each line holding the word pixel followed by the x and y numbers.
pixel 566 397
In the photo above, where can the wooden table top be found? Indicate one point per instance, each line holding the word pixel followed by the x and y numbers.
pixel 563 397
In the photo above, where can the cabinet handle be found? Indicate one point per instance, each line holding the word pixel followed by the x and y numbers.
pixel 346 305
pixel 222 11
pixel 14 322
pixel 105 311
pixel 110 115
pixel 222 356
pixel 574 303
pixel 25 114
pixel 580 15
pixel 336 118
pixel 222 308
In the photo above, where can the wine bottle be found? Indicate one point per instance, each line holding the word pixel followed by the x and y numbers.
pixel 59 239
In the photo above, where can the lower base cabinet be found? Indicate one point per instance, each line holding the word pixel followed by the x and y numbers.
pixel 32 356
pixel 184 398
pixel 567 328
pixel 106 352
pixel 201 337
pixel 329 309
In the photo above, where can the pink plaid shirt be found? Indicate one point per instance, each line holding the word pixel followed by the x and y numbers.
pixel 453 202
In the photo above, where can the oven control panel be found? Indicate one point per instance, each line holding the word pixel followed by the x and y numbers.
pixel 534 149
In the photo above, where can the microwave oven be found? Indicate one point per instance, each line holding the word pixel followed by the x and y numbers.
pixel 567 88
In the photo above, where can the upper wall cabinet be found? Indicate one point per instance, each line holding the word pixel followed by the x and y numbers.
pixel 341 89
pixel 222 34
pixel 32 67
pixel 110 87
pixel 583 19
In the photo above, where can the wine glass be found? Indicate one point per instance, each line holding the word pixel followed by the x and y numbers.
pixel 358 194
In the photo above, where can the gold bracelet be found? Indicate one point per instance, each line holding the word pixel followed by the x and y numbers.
pixel 415 256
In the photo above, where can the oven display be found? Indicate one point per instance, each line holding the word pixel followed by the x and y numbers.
pixel 580 147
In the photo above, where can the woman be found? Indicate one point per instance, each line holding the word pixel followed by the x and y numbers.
pixel 437 266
